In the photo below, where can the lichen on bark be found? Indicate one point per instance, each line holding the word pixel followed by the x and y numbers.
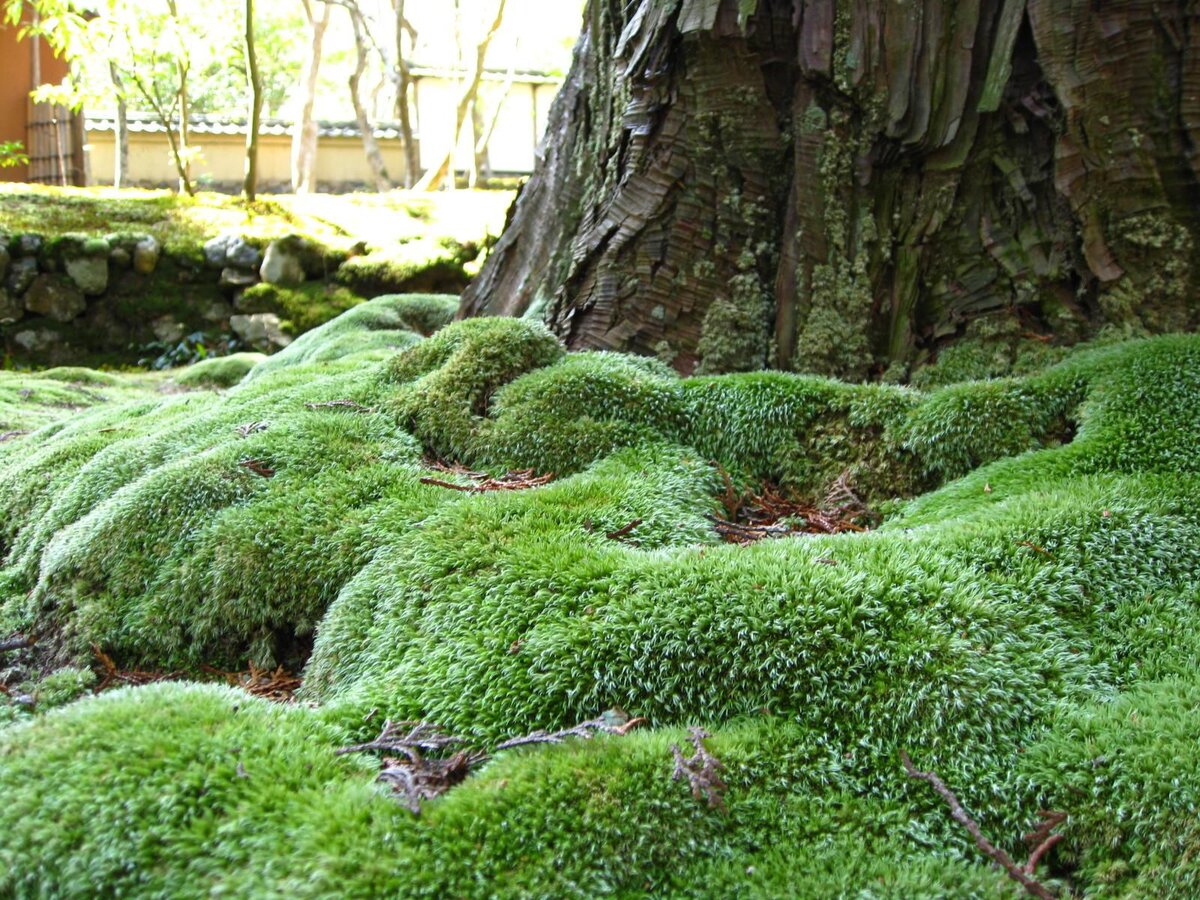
pixel 910 166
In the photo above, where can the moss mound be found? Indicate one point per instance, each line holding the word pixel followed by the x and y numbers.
pixel 1043 575
pixel 219 371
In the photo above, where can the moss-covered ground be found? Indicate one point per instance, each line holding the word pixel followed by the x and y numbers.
pixel 1025 622
pixel 182 224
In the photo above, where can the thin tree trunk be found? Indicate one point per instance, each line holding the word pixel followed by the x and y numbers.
pixel 436 175
pixel 254 79
pixel 304 137
pixel 370 146
pixel 182 148
pixel 412 161
pixel 483 131
pixel 121 159
pixel 847 187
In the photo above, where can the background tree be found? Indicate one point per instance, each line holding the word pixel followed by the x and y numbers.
pixel 843 187
pixel 305 133
pixel 436 174
pixel 362 47
pixel 254 85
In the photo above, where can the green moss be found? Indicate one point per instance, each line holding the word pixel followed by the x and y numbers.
pixel 1055 572
pixel 302 308
pixel 416 266
pixel 1124 769
pixel 446 383
pixel 218 371
pixel 370 331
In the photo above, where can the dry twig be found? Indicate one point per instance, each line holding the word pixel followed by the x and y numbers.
pixel 278 685
pixel 702 770
pixel 114 677
pixel 770 514
pixel 584 730
pixel 258 467
pixel 252 428
pixel 1023 875
pixel 411 773
pixel 16 642
pixel 483 482
pixel 342 404
pixel 624 531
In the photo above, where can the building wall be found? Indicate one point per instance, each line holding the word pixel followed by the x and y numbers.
pixel 16 81
pixel 518 130
pixel 340 161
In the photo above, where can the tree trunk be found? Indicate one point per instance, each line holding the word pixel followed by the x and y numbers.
pixel 254 82
pixel 432 180
pixel 370 146
pixel 844 187
pixel 121 158
pixel 304 138
pixel 412 160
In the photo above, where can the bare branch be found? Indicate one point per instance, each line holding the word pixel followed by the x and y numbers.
pixel 584 731
pixel 960 815
pixel 702 770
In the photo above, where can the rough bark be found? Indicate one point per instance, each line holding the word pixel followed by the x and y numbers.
pixel 844 186
pixel 304 139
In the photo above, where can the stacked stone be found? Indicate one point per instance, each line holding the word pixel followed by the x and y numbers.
pixel 243 265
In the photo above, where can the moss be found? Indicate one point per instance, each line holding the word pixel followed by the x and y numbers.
pixel 370 331
pixel 417 266
pixel 1124 771
pixel 1054 576
pixel 218 371
pixel 446 383
pixel 302 308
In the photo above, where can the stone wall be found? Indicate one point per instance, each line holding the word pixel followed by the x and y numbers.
pixel 66 299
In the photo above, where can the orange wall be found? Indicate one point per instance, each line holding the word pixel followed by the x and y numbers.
pixel 16 77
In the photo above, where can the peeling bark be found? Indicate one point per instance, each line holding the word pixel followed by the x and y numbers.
pixel 842 187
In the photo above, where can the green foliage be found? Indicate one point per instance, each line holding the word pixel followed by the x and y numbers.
pixel 12 154
pixel 986 628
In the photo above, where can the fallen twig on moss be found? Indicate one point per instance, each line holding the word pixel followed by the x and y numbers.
pixel 1042 838
pixel 584 730
pixel 512 480
pixel 114 677
pixel 342 404
pixel 10 435
pixel 419 777
pixel 624 531
pixel 1021 874
pixel 408 738
pixel 258 467
pixel 278 685
pixel 16 642
pixel 412 773
pixel 252 428
pixel 702 770
pixel 770 514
